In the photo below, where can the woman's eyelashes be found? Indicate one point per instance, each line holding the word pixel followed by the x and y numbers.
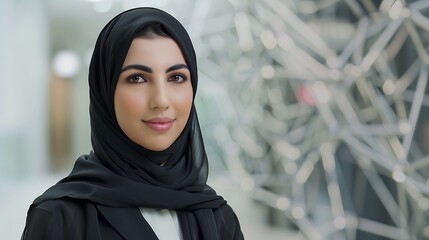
pixel 178 78
pixel 175 78
pixel 136 78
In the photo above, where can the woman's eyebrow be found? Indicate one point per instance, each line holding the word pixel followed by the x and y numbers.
pixel 138 67
pixel 175 67
pixel 149 70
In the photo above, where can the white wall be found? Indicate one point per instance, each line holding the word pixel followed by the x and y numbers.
pixel 23 78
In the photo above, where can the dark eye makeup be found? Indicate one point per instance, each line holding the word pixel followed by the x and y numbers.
pixel 175 78
pixel 178 78
pixel 136 78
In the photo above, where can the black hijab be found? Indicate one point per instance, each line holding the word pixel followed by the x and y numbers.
pixel 121 173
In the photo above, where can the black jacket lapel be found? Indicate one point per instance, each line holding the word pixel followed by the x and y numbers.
pixel 129 222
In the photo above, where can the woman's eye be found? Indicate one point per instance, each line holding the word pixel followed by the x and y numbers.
pixel 136 79
pixel 177 78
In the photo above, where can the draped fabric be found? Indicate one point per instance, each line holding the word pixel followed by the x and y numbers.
pixel 122 174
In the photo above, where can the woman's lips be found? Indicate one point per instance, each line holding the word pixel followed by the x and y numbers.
pixel 160 124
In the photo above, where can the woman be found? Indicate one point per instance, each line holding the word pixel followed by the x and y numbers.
pixel 146 178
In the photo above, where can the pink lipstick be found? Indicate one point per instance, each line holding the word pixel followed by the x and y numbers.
pixel 159 124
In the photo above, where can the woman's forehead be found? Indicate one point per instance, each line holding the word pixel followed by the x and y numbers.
pixel 159 51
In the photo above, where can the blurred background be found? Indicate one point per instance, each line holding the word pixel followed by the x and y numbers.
pixel 314 112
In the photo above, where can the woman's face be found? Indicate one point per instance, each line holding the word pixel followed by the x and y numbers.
pixel 153 96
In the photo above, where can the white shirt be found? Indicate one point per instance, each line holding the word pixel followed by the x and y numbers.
pixel 163 222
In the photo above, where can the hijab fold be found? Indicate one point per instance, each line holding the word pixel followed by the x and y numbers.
pixel 121 173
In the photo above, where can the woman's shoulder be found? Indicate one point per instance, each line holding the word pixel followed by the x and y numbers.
pixel 62 206
pixel 226 212
pixel 230 225
pixel 56 218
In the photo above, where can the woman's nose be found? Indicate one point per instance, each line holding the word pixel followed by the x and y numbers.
pixel 159 96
